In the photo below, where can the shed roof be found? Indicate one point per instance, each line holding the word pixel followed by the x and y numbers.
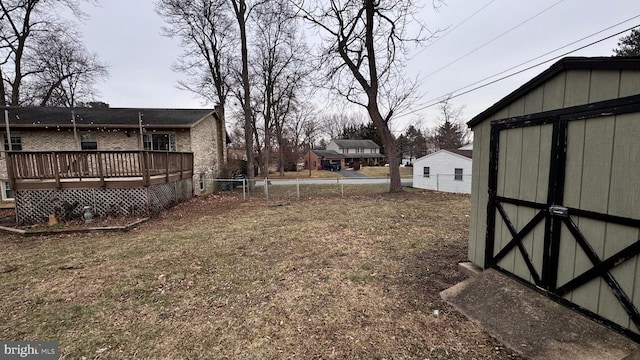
pixel 352 144
pixel 465 153
pixel 568 63
pixel 456 152
pixel 44 117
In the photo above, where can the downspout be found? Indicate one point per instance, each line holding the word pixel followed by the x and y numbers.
pixel 6 122
pixel 75 130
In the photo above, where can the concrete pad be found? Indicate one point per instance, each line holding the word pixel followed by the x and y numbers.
pixel 468 268
pixel 532 324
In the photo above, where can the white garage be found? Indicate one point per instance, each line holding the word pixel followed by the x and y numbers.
pixel 444 170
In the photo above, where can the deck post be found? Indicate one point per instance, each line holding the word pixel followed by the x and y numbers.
pixel 11 170
pixel 166 167
pixel 146 165
pixel 100 172
pixel 56 168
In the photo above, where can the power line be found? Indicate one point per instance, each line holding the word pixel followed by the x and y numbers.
pixel 550 52
pixel 453 28
pixel 492 40
pixel 437 100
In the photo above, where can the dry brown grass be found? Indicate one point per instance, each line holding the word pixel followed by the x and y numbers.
pixel 382 171
pixel 303 174
pixel 352 278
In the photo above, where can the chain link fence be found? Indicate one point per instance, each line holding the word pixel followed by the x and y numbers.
pixel 296 189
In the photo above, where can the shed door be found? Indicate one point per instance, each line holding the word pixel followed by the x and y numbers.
pixel 563 212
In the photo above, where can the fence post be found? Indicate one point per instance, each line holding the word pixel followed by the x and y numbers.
pixel 266 188
pixel 298 187
pixel 244 189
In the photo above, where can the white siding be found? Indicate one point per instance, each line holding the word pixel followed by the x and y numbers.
pixel 442 165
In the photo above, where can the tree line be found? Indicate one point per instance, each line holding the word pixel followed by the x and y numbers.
pixel 43 61
pixel 252 58
pixel 415 141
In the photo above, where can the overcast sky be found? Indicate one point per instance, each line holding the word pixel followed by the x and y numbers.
pixel 485 38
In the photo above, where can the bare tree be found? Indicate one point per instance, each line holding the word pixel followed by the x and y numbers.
pixel 333 124
pixel 64 71
pixel 280 67
pixel 452 133
pixel 21 21
pixel 241 12
pixel 364 42
pixel 205 29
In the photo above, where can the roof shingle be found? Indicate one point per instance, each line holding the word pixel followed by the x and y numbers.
pixel 42 117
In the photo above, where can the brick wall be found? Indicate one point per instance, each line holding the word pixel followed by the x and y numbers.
pixel 203 146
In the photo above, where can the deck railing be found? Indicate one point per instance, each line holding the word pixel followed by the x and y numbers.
pixel 46 169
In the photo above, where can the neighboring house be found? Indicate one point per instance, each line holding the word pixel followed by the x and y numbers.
pixel 201 132
pixel 444 170
pixel 407 161
pixel 556 187
pixel 365 151
pixel 319 158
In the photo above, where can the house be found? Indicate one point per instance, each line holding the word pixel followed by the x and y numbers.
pixel 320 159
pixel 201 132
pixel 556 187
pixel 366 152
pixel 444 170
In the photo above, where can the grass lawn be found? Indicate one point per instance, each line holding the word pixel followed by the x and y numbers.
pixel 383 171
pixel 304 174
pixel 216 277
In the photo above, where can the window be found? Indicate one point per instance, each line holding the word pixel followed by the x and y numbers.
pixel 160 142
pixel 7 193
pixel 88 141
pixel 16 142
pixel 344 151
pixel 426 171
pixel 458 174
pixel 359 150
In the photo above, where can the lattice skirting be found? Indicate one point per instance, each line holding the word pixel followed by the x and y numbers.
pixel 35 206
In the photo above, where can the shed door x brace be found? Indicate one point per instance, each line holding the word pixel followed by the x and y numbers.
pixel 556 217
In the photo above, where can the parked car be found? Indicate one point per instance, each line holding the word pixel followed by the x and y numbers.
pixel 329 166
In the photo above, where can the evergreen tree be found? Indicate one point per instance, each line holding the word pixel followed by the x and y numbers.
pixel 629 45
pixel 449 135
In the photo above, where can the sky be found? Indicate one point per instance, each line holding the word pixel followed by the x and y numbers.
pixel 477 39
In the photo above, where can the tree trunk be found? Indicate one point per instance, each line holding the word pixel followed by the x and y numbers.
pixel 390 147
pixel 240 10
pixel 3 91
pixel 221 130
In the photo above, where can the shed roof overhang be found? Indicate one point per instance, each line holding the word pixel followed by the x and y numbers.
pixel 568 63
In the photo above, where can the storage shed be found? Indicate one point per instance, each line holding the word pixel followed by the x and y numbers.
pixel 556 187
pixel 444 170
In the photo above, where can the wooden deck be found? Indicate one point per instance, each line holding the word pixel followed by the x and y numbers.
pixel 96 169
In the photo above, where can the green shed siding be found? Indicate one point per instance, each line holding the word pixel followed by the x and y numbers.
pixel 554 89
pixel 601 175
pixel 629 83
